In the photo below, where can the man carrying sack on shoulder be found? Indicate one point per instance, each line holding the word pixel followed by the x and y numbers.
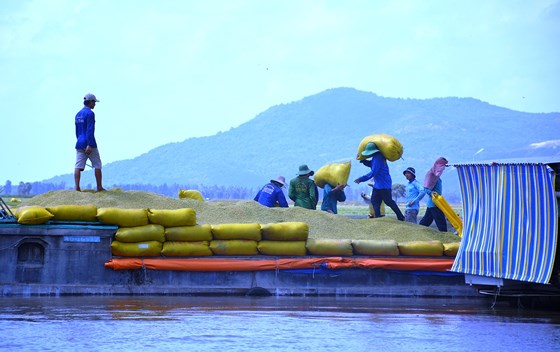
pixel 383 182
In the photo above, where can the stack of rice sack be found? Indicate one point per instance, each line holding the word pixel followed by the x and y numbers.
pixel 284 238
pixel 187 240
pixel 142 231
pixel 135 236
pixel 235 239
pixel 183 237
pixel 149 232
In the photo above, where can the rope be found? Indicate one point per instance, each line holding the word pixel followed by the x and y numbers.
pixel 497 293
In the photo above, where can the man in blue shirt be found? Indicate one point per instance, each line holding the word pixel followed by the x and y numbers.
pixel 331 196
pixel 414 193
pixel 86 146
pixel 271 194
pixel 380 173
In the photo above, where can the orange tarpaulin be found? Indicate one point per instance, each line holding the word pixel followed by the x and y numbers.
pixel 426 264
pixel 184 264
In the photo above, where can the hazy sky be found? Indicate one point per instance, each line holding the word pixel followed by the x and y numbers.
pixel 166 71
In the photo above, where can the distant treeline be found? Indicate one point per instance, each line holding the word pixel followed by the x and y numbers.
pixel 209 192
pixel 353 192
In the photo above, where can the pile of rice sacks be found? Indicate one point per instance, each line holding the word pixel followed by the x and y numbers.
pixel 154 225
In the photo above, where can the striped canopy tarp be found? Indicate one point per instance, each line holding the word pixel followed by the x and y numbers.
pixel 510 219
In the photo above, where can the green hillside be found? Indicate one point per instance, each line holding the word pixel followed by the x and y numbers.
pixel 328 127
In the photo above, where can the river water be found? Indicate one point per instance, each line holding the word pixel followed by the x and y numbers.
pixel 271 324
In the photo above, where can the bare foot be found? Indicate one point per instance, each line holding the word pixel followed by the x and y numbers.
pixel 101 190
pixel 78 189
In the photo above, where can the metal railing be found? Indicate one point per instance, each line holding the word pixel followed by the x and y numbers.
pixel 6 214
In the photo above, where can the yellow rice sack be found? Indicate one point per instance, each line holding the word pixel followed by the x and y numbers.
pixel 187 249
pixel 445 207
pixel 234 247
pixel 381 209
pixel 389 146
pixel 172 217
pixel 237 232
pixel 333 174
pixel 123 217
pixel 139 249
pixel 144 233
pixel 296 248
pixel 190 194
pixel 285 231
pixel 421 248
pixel 189 233
pixel 451 249
pixel 74 212
pixel 375 247
pixel 329 247
pixel 33 215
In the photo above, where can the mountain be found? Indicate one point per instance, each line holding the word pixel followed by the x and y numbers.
pixel 328 127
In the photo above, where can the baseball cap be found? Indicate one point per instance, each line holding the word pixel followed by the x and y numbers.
pixel 90 97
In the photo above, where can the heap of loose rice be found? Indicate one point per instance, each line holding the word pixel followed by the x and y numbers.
pixel 321 224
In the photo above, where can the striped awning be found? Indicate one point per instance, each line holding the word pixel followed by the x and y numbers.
pixel 510 218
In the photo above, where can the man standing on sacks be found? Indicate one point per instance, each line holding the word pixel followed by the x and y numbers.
pixel 86 146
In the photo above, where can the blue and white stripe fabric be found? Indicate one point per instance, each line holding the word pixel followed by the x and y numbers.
pixel 510 221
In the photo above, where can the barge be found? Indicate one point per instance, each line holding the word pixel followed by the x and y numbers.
pixel 509 250
pixel 76 259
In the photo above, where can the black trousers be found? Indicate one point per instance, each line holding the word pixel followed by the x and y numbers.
pixel 384 195
pixel 434 214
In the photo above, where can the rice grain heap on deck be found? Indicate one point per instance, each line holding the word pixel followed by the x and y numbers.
pixel 322 225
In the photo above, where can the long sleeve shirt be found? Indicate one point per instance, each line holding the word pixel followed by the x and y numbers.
pixel 271 195
pixel 379 172
pixel 85 128
pixel 303 192
pixel 414 193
